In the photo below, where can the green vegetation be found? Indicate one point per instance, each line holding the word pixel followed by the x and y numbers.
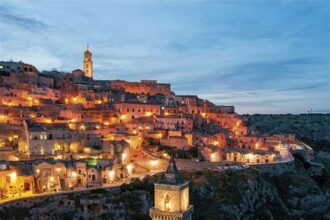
pixel 16 212
pixel 190 153
pixel 91 161
pixel 313 129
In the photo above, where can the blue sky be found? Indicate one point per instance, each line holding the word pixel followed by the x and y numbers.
pixel 263 56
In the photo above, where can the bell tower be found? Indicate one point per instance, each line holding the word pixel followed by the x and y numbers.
pixel 88 63
pixel 171 197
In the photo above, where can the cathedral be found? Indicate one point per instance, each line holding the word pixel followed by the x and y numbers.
pixel 88 63
pixel 172 197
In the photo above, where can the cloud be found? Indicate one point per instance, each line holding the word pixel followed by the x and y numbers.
pixel 260 55
pixel 11 18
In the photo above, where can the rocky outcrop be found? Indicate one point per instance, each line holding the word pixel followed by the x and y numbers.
pixel 250 195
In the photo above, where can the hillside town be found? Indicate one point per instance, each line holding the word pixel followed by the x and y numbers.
pixel 65 132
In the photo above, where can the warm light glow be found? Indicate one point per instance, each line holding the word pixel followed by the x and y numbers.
pixel 3 117
pixel 215 142
pixel 82 127
pixel 130 168
pixel 71 126
pixel 148 113
pixel 250 156
pixel 13 177
pixel 48 120
pixel 214 157
pixel 58 170
pixel 185 200
pixel 122 117
pixel 257 145
pixel 154 163
pixel 167 203
pixel 203 115
pixel 73 174
pixel 87 150
pixel 123 157
pixel 38 171
pixel 51 179
pixel 112 175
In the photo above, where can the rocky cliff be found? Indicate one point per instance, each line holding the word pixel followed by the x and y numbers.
pixel 245 194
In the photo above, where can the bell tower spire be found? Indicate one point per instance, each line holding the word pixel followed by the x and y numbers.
pixel 88 62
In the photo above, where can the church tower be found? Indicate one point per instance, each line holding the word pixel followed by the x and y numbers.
pixel 171 197
pixel 88 63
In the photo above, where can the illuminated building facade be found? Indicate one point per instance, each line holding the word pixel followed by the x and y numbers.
pixel 88 63
pixel 172 197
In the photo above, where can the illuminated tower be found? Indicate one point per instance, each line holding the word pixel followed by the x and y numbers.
pixel 171 197
pixel 88 63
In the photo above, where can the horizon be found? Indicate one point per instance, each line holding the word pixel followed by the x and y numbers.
pixel 275 61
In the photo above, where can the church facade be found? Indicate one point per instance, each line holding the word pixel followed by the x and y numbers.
pixel 172 197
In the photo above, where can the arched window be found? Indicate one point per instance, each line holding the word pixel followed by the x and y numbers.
pixel 167 203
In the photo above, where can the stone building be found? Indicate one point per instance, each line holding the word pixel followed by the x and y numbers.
pixel 174 123
pixel 171 197
pixel 88 63
pixel 148 87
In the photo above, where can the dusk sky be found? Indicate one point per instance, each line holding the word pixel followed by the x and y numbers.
pixel 263 56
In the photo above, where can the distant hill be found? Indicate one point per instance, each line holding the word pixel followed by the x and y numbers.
pixel 313 129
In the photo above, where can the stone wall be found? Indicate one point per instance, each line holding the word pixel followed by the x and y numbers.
pixel 275 168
